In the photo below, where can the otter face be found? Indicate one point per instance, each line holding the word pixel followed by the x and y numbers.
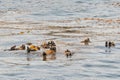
pixel 68 53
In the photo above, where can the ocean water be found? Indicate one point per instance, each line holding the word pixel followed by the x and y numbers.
pixel 67 22
pixel 57 9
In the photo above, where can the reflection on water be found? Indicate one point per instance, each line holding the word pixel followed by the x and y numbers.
pixel 88 61
pixel 80 19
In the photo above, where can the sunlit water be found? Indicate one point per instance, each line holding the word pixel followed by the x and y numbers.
pixel 93 62
pixel 57 9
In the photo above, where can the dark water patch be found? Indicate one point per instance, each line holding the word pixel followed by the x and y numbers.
pixel 39 14
pixel 87 47
pixel 83 75
pixel 118 48
pixel 51 33
pixel 104 16
pixel 108 61
pixel 79 2
pixel 64 36
pixel 100 47
pixel 15 63
pixel 76 75
pixel 65 14
pixel 13 74
pixel 77 59
pixel 66 27
pixel 105 52
pixel 50 78
pixel 70 31
pixel 100 66
pixel 115 76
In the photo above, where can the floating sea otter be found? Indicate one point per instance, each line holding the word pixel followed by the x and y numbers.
pixel 32 47
pixel 109 44
pixel 51 52
pixel 68 53
pixel 86 41
pixel 22 47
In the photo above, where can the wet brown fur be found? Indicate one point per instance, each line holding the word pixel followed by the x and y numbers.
pixel 22 47
pixel 32 48
pixel 51 52
pixel 47 45
pixel 68 53
pixel 44 45
pixel 86 41
pixel 109 44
